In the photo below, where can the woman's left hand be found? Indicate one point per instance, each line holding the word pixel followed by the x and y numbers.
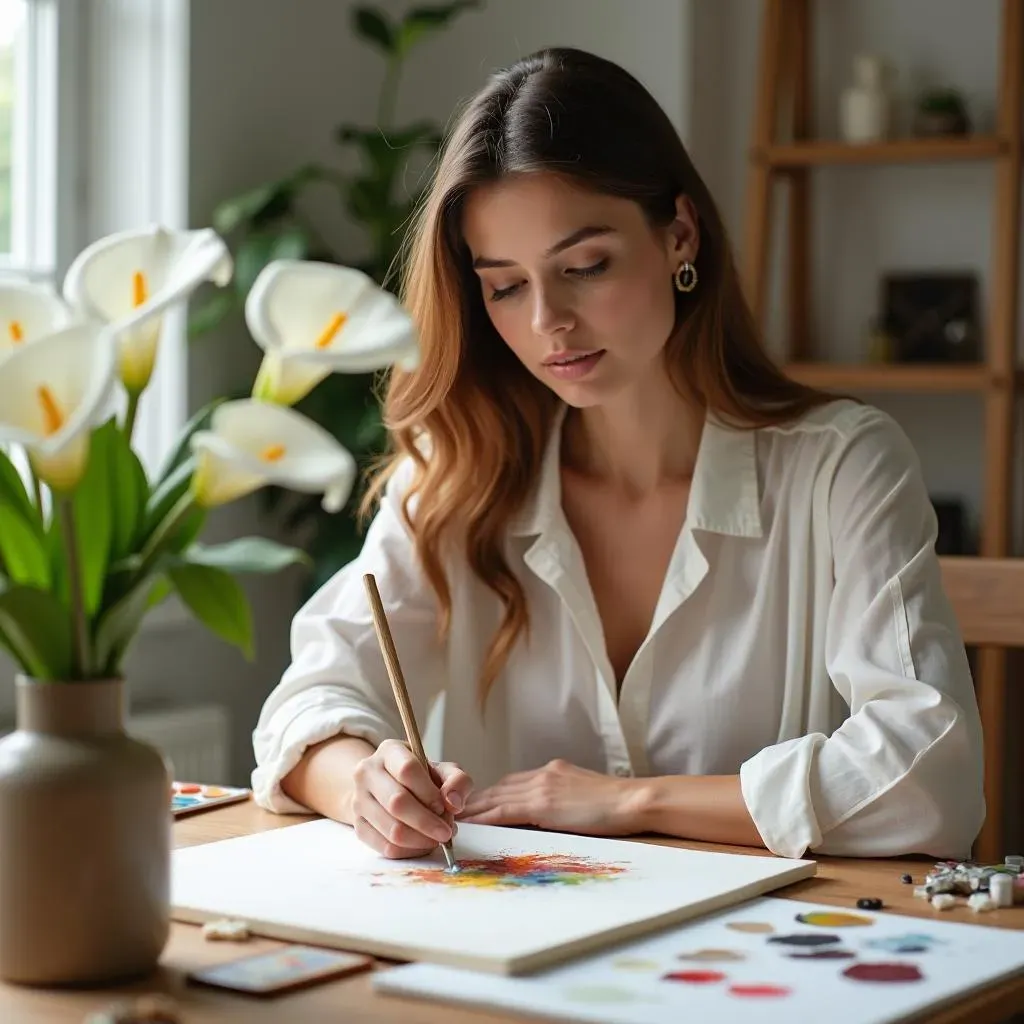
pixel 560 797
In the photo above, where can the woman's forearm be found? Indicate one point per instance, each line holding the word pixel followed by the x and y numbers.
pixel 322 780
pixel 706 808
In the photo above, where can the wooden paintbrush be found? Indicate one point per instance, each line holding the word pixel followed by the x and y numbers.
pixel 387 648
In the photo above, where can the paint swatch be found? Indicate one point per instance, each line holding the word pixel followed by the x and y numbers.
pixel 885 972
pixel 759 991
pixel 824 954
pixel 694 977
pixel 713 955
pixel 804 939
pixel 514 871
pixel 751 927
pixel 834 919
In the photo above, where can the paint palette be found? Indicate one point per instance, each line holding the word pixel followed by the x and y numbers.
pixel 769 959
pixel 189 797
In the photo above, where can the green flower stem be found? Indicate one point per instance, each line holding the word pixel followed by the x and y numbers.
pixel 81 663
pixel 167 526
pixel 130 414
pixel 37 488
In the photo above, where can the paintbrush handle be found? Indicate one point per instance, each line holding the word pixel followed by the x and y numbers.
pixel 387 647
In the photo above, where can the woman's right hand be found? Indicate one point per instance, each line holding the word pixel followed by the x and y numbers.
pixel 399 809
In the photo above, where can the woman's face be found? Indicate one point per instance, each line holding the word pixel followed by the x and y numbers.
pixel 578 284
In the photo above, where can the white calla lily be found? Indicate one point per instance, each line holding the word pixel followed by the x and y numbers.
pixel 29 311
pixel 129 279
pixel 252 443
pixel 312 319
pixel 52 393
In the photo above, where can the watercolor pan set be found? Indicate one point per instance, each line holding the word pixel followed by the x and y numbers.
pixel 189 797
pixel 769 959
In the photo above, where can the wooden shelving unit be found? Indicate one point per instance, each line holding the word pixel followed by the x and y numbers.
pixel 784 94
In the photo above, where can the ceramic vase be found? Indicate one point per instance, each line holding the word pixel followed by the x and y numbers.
pixel 85 840
pixel 864 105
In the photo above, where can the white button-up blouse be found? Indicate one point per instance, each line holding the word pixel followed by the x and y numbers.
pixel 802 639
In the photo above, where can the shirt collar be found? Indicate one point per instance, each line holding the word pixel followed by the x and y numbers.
pixel 724 496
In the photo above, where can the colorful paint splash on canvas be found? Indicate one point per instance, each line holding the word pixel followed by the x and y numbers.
pixel 512 871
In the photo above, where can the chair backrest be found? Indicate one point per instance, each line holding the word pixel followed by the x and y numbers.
pixel 987 595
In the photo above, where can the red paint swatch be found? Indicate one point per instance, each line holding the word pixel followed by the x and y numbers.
pixel 759 991
pixel 189 787
pixel 694 977
pixel 883 972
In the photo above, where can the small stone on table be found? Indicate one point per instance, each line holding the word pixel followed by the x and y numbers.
pixel 226 930
pixel 869 903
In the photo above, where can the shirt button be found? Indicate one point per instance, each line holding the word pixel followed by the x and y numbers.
pixel 623 771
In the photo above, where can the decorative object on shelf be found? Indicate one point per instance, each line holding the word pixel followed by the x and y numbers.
pixel 879 343
pixel 952 537
pixel 932 317
pixel 90 542
pixel 864 106
pixel 941 112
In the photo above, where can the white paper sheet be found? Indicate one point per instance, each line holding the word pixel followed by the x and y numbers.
pixel 316 882
pixel 735 977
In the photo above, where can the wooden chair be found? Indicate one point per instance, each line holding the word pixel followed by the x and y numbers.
pixel 987 595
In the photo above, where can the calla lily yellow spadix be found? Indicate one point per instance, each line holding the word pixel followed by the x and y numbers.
pixel 252 443
pixel 129 279
pixel 29 311
pixel 52 393
pixel 313 319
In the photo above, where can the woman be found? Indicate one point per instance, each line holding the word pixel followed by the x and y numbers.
pixel 663 587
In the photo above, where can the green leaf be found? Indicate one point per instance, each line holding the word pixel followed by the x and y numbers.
pixel 119 624
pixel 421 21
pixel 13 493
pixel 128 492
pixel 94 506
pixel 181 451
pixel 263 247
pixel 23 550
pixel 234 212
pixel 218 601
pixel 162 503
pixel 246 554
pixel 373 26
pixel 36 628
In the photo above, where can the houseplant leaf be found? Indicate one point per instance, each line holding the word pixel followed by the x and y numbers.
pixel 372 25
pixel 12 490
pixel 36 628
pixel 420 21
pixel 259 248
pixel 181 452
pixel 246 554
pixel 119 624
pixel 217 601
pixel 23 552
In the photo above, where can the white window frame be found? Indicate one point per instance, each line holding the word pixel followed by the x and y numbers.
pixel 136 152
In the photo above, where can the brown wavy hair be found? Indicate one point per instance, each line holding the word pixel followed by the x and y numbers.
pixel 486 417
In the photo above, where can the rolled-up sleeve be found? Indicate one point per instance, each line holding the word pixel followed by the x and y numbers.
pixel 904 771
pixel 337 682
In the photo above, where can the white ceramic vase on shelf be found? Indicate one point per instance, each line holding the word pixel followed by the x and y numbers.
pixel 864 105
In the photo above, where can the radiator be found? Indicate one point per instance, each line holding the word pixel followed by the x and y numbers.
pixel 196 740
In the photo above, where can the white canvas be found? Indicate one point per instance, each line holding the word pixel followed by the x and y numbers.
pixel 628 984
pixel 316 882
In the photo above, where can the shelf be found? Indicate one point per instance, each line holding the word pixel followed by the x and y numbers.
pixel 894 151
pixel 925 377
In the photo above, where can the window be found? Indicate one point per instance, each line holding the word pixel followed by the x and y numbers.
pixel 93 139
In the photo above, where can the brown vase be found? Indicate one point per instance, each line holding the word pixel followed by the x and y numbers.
pixel 85 840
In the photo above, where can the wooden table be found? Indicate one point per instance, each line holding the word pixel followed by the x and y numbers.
pixel 839 882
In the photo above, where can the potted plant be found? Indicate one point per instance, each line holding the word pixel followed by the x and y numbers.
pixel 268 222
pixel 90 543
pixel 941 112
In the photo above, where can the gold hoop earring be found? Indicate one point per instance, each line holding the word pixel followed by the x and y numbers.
pixel 685 277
